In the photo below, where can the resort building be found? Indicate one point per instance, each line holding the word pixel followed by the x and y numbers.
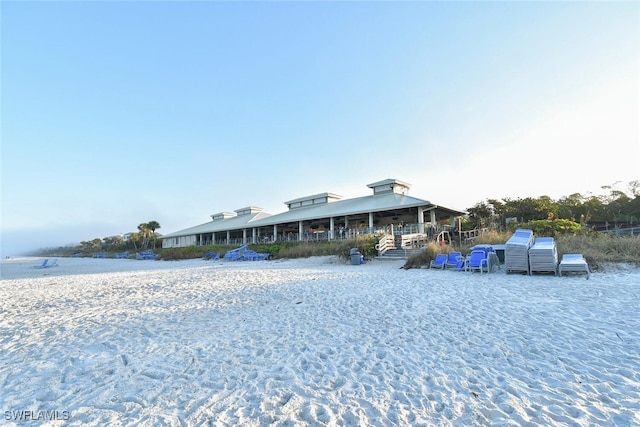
pixel 388 210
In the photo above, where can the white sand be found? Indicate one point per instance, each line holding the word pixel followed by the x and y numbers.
pixel 315 342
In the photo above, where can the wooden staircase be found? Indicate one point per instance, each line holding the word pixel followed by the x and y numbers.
pixel 399 246
pixel 396 254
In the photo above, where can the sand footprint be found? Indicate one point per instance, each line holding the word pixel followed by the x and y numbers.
pixel 322 415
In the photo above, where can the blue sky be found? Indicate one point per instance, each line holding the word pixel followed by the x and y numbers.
pixel 117 113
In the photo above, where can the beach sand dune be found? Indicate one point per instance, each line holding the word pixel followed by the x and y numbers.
pixel 315 342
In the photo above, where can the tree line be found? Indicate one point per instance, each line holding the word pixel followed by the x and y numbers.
pixel 145 238
pixel 616 207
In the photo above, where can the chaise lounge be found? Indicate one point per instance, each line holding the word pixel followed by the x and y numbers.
pixel 573 263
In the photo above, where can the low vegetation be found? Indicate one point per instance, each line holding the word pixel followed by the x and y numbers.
pixel 597 248
pixel 342 248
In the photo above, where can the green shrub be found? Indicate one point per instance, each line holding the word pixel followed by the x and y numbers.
pixel 341 248
pixel 550 228
pixel 190 252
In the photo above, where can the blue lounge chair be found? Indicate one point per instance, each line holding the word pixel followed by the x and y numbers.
pixel 47 264
pixel 490 253
pixel 234 254
pixel 476 260
pixel 146 255
pixel 243 253
pixel 455 261
pixel 439 262
pixel 44 264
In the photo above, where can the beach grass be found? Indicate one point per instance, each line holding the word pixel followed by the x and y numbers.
pixel 597 249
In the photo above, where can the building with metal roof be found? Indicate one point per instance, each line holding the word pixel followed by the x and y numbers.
pixel 324 216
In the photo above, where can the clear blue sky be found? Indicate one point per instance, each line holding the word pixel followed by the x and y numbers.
pixel 117 113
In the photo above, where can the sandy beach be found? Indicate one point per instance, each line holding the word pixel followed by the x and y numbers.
pixel 314 342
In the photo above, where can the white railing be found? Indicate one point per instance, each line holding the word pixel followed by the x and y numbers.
pixel 413 241
pixel 385 243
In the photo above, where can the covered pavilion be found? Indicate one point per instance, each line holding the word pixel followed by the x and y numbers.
pixel 326 216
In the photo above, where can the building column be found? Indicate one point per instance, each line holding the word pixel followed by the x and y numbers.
pixel 244 236
pixel 275 232
pixel 332 231
pixel 346 226
pixel 420 220
pixel 254 237
pixel 300 231
pixel 370 222
pixel 228 237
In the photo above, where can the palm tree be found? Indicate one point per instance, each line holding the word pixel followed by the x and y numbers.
pixel 153 226
pixel 144 231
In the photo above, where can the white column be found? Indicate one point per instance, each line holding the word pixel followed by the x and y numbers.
pixel 244 236
pixel 346 226
pixel 332 232
pixel 300 231
pixel 275 232
pixel 371 222
pixel 420 220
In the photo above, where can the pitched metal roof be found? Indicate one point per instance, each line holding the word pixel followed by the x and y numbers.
pixel 341 208
pixel 234 223
pixel 359 205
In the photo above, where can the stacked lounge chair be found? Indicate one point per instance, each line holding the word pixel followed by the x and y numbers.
pixel 148 255
pixel 573 263
pixel 493 261
pixel 543 256
pixel 243 253
pixel 211 255
pixel 516 252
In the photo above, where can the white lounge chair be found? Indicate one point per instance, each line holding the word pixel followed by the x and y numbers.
pixel 516 252
pixel 573 263
pixel 543 256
